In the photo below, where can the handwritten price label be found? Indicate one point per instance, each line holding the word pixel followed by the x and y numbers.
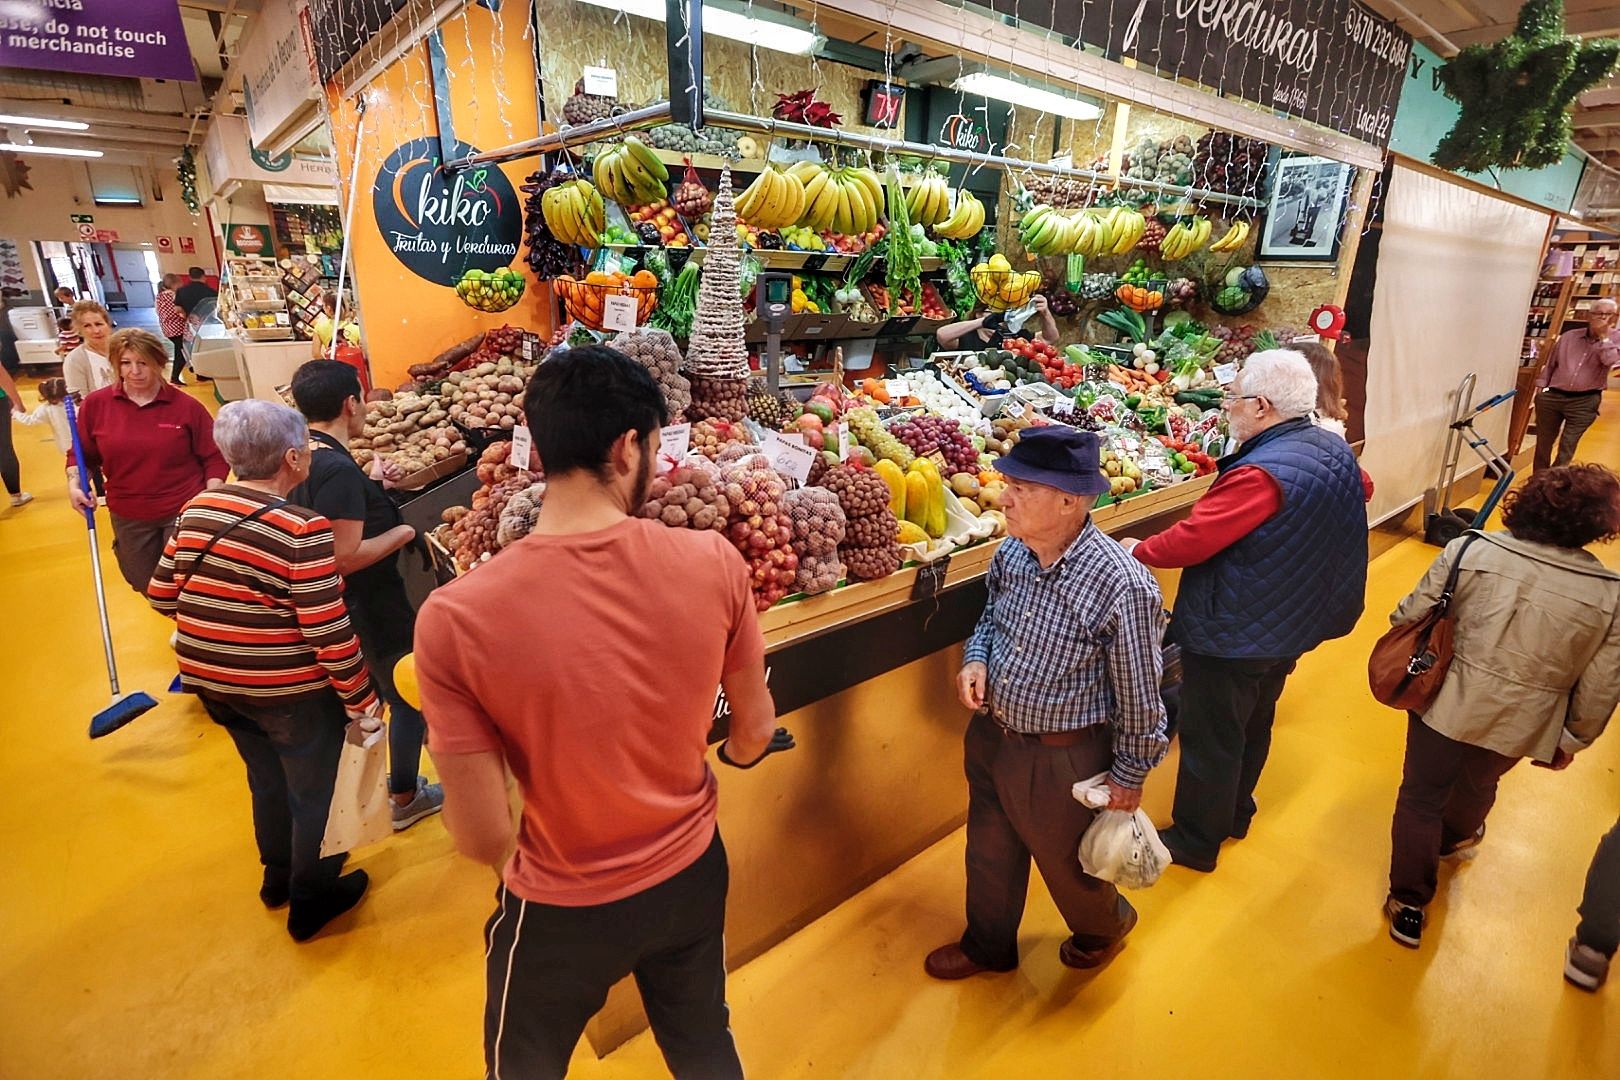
pixel 601 81
pixel 1226 374
pixel 673 442
pixel 844 441
pixel 897 388
pixel 1014 409
pixel 619 312
pixel 791 457
pixel 522 447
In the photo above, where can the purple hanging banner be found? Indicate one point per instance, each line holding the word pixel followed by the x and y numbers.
pixel 135 38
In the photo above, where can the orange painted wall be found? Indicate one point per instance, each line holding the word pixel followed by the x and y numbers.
pixel 407 319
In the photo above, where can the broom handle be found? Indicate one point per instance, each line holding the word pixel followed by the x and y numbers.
pixel 95 547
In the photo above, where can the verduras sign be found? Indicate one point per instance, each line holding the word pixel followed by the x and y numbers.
pixel 1332 62
pixel 439 224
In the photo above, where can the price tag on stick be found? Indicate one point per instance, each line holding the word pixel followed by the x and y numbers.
pixel 791 457
pixel 1226 374
pixel 844 441
pixel 522 447
pixel 619 312
pixel 673 442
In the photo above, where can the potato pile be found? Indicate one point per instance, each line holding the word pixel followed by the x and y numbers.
pixel 818 529
pixel 521 512
pixel 718 399
pixel 475 531
pixel 711 437
pixel 410 431
pixel 487 396
pixel 656 351
pixel 687 498
pixel 761 528
pixel 869 549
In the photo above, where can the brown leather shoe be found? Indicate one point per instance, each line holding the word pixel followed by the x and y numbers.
pixel 1074 956
pixel 950 962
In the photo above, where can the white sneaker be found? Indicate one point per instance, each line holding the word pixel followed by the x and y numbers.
pixel 22 498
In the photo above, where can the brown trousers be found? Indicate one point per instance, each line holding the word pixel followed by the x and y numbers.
pixel 1020 807
pixel 1447 789
pixel 138 546
pixel 1561 420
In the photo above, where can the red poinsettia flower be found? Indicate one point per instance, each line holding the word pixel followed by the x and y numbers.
pixel 802 107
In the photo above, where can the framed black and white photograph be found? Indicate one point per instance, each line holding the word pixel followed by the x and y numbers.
pixel 1309 196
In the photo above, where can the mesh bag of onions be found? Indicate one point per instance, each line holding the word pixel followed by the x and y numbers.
pixel 760 527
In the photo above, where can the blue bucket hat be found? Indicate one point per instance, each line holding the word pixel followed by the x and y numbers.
pixel 1058 456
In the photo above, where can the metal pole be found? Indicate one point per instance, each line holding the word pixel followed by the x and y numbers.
pixel 635 120
pixel 348 229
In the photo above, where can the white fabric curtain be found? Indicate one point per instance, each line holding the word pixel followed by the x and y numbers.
pixel 1456 269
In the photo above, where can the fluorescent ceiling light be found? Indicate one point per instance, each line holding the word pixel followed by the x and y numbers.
pixel 987 85
pixel 60 151
pixel 722 22
pixel 41 122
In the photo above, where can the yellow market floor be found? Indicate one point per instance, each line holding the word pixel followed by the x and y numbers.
pixel 132 944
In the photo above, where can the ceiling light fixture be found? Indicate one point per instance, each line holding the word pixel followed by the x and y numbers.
pixel 42 123
pixel 723 22
pixel 59 151
pixel 984 84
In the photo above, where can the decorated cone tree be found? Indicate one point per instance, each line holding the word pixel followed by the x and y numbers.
pixel 717 359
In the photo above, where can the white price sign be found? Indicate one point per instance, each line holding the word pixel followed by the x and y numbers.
pixel 791 457
pixel 1014 409
pixel 673 442
pixel 602 81
pixel 897 389
pixel 522 447
pixel 1063 406
pixel 619 312
pixel 841 431
pixel 1226 374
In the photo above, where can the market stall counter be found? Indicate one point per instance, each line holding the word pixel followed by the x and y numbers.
pixel 865 679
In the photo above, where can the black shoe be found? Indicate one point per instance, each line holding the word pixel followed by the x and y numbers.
pixel 1405 923
pixel 1180 856
pixel 1464 847
pixel 1072 955
pixel 309 917
pixel 274 892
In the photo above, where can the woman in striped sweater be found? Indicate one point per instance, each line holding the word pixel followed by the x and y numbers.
pixel 264 640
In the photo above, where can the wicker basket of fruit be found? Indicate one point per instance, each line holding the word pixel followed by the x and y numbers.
pixel 586 299
pixel 1004 290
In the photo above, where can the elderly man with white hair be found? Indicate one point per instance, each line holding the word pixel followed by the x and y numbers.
pixel 1572 381
pixel 1274 562
pixel 264 641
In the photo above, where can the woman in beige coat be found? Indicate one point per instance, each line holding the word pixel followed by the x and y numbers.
pixel 1535 670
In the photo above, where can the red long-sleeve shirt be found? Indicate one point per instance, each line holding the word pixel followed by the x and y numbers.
pixel 1239 503
pixel 155 456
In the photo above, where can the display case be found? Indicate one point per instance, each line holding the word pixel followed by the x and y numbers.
pixel 253 299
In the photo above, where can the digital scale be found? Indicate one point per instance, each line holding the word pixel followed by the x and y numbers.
pixel 773 304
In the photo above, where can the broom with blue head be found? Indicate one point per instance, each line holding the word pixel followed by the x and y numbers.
pixel 124 707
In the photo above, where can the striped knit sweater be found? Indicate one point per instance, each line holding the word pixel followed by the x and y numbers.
pixel 262 619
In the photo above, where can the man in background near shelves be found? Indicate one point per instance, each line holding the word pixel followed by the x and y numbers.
pixel 368 534
pixel 1274 562
pixel 1571 384
pixel 194 291
pixel 1062 674
pixel 584 658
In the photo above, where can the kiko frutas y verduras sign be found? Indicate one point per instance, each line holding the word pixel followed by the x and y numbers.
pixel 441 224
pixel 1332 62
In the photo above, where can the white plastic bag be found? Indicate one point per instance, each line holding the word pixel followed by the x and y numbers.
pixel 360 813
pixel 1119 847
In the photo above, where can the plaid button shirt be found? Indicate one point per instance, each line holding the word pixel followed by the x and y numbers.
pixel 1074 645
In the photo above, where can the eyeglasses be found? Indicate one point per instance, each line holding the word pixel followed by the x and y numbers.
pixel 1227 399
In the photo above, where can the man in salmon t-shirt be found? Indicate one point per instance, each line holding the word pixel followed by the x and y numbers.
pixel 585 658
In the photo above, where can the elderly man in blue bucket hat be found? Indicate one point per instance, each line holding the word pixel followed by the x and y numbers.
pixel 1062 675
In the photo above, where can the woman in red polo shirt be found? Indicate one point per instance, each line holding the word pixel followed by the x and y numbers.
pixel 153 445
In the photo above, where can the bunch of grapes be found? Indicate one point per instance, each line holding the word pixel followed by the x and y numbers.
pixel 1153 235
pixel 870 433
pixel 925 434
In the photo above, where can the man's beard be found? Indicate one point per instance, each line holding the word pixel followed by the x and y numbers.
pixel 644 478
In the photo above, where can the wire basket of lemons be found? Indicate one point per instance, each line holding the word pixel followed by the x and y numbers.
pixel 1000 287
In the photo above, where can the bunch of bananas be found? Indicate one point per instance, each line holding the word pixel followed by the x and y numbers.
pixel 574 212
pixel 630 174
pixel 775 199
pixel 1185 237
pixel 1235 237
pixel 841 200
pixel 1113 231
pixel 965 221
pixel 1045 231
pixel 929 200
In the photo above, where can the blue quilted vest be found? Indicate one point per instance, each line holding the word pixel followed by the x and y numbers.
pixel 1301 577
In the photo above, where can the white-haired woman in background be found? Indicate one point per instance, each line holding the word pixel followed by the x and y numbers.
pixel 1274 562
pixel 264 640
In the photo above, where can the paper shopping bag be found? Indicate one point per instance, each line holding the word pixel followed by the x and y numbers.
pixel 360 813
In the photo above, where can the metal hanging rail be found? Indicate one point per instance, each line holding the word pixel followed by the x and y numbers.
pixel 653 115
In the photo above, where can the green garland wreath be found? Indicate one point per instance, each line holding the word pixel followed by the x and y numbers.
pixel 1516 94
pixel 186 170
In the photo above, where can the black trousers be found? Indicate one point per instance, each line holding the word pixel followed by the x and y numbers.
pixel 1227 708
pixel 10 468
pixel 549 969
pixel 1447 789
pixel 1021 807
pixel 1600 904
pixel 291 752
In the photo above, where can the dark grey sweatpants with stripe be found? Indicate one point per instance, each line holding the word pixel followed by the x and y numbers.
pixel 549 969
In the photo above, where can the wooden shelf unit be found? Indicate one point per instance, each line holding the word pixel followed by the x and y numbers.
pixel 1560 303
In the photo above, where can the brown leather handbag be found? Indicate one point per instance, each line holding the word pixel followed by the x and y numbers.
pixel 1409 663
